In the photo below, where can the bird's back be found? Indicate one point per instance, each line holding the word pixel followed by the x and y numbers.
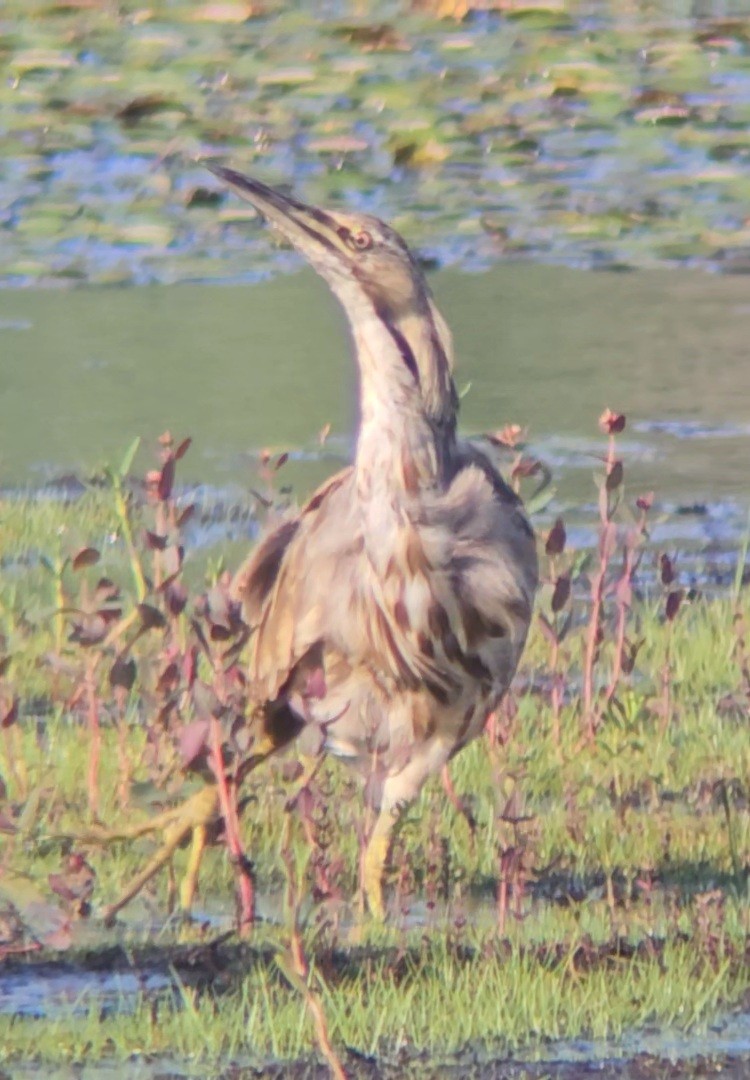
pixel 384 634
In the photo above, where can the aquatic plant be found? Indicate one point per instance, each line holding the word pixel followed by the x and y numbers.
pixel 604 813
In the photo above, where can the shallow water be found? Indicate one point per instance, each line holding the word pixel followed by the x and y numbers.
pixel 55 990
pixel 66 990
pixel 730 1034
pixel 241 368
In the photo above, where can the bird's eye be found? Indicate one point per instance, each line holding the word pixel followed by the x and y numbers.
pixel 358 241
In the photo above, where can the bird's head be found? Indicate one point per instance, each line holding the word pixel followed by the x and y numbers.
pixel 352 252
pixel 403 342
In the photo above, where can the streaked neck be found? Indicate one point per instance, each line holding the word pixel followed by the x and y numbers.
pixel 406 440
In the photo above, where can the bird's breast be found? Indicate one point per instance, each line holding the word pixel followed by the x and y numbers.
pixel 420 632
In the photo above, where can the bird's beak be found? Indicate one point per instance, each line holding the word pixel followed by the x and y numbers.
pixel 311 231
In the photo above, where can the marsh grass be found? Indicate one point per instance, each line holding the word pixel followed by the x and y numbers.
pixel 596 883
pixel 435 997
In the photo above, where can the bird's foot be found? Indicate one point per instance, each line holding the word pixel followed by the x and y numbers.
pixel 191 818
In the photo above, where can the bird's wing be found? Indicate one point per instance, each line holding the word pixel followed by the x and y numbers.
pixel 494 553
pixel 277 587
pixel 256 577
pixel 477 532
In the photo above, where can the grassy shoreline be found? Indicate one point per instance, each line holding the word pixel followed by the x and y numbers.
pixel 596 883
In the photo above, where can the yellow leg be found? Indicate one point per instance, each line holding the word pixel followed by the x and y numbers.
pixel 191 817
pixel 373 864
pixel 310 766
pixel 189 883
pixel 399 790
pixel 173 837
pixel 262 749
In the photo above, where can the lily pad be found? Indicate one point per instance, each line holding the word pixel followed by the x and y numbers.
pixel 456 104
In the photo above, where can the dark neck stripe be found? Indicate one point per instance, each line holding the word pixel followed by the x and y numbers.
pixel 407 354
pixel 403 346
pixel 444 368
pixel 442 360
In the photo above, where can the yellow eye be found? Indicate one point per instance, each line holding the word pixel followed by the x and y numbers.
pixel 359 241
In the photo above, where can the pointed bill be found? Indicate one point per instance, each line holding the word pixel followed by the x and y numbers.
pixel 311 231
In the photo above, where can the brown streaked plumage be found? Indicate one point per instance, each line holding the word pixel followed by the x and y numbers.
pixel 407 580
pixel 388 615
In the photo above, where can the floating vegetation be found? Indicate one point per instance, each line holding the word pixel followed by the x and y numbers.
pixel 564 132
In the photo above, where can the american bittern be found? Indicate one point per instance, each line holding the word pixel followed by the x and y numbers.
pixel 388 615
pixel 408 578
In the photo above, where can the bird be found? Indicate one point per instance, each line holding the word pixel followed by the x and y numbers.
pixel 388 614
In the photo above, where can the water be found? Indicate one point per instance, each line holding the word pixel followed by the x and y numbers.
pixel 56 990
pixel 589 133
pixel 265 365
pixel 64 990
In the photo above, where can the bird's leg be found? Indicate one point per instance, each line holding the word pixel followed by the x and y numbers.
pixel 310 766
pixel 399 790
pixel 194 817
pixel 191 818
pixel 189 882
pixel 374 860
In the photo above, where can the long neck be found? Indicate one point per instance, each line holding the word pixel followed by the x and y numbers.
pixel 406 441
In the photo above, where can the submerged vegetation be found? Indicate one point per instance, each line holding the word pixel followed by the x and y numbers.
pixel 605 135
pixel 587 876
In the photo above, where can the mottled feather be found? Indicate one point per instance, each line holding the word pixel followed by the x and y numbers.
pixel 403 589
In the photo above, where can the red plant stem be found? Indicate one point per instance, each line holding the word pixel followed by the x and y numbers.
pixel 592 634
pixel 629 570
pixel 299 959
pixel 622 619
pixel 556 693
pixel 666 684
pixel 458 803
pixel 20 950
pixel 298 973
pixel 300 966
pixel 597 594
pixel 160 529
pixel 519 890
pixel 490 726
pixel 622 615
pixel 122 748
pixel 228 804
pixel 14 759
pixel 95 737
pixel 502 903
